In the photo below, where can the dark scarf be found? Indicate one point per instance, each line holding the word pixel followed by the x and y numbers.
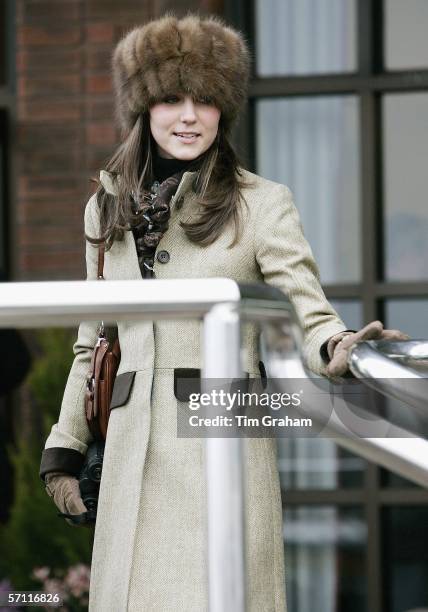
pixel 152 209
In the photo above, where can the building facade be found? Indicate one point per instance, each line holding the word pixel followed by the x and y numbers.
pixel 338 111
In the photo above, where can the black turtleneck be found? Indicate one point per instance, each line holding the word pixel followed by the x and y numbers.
pixel 164 168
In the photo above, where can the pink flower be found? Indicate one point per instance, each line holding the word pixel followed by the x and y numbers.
pixel 55 585
pixel 71 585
pixel 77 579
pixel 41 573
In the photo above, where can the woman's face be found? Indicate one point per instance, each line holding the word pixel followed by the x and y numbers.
pixel 183 128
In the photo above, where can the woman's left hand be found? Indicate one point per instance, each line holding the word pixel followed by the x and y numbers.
pixel 339 345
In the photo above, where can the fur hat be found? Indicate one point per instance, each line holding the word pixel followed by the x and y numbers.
pixel 201 57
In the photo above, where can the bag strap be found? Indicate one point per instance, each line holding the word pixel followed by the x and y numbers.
pixel 101 251
pixel 100 276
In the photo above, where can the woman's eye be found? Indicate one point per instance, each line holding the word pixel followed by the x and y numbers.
pixel 171 100
pixel 205 100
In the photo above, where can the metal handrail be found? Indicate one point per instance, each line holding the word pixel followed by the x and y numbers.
pixel 387 359
pixel 406 351
pixel 66 303
pixel 396 447
pixel 380 364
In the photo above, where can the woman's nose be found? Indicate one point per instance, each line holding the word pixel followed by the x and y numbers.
pixel 188 112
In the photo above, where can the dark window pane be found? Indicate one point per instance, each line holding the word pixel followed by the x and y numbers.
pixel 390 480
pixel 312 145
pixel 405 125
pixel 406 42
pixel 325 550
pixel 410 315
pixel 305 36
pixel 405 558
pixel 306 463
pixel 350 311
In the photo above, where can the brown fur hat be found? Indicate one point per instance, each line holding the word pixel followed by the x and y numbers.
pixel 198 56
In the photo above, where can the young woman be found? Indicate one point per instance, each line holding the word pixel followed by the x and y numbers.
pixel 173 202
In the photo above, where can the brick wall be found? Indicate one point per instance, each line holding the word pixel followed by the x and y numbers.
pixel 64 129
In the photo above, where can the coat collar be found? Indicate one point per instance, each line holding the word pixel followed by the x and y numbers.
pixel 109 182
pixel 125 264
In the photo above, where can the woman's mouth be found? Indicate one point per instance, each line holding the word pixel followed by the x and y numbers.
pixel 186 137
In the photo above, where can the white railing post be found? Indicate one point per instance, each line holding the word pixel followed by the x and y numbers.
pixel 224 469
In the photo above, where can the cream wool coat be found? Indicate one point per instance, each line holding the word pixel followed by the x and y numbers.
pixel 149 546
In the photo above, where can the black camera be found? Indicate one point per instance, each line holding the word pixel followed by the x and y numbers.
pixel 89 484
pixel 90 478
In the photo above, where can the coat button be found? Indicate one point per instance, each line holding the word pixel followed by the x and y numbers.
pixel 163 257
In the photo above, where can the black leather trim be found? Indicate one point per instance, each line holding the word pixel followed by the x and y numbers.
pixel 188 380
pixel 323 347
pixel 263 374
pixel 59 459
pixel 122 389
pixel 324 353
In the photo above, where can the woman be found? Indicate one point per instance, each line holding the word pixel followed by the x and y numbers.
pixel 175 182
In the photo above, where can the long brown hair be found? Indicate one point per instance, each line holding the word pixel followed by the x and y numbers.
pixel 217 187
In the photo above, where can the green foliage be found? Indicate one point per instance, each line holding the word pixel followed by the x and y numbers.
pixel 49 372
pixel 35 535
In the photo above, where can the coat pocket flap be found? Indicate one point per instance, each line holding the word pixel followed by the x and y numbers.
pixel 121 389
pixel 186 382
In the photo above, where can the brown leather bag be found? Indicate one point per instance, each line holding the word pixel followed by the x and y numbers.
pixel 100 380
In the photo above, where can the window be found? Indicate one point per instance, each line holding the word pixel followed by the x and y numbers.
pixel 338 110
pixel 405 145
pixel 311 144
pixel 306 37
pixel 406 44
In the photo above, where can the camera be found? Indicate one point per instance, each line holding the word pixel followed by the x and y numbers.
pixel 90 478
pixel 89 484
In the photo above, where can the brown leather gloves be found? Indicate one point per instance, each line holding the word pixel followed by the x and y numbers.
pixel 339 345
pixel 64 489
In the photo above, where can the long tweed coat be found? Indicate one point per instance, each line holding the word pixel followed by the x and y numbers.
pixel 149 547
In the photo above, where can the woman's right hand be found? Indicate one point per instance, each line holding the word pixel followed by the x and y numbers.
pixel 64 490
pixel 340 344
